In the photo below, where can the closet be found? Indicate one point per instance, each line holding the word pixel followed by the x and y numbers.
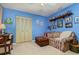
pixel 23 29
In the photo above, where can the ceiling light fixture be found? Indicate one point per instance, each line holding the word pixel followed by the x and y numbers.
pixel 47 4
pixel 43 4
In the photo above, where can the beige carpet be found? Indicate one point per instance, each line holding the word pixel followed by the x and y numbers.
pixel 31 48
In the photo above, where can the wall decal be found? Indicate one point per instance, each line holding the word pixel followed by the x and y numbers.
pixel 37 21
pixel 40 23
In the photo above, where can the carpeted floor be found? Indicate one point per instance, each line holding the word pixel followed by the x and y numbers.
pixel 31 48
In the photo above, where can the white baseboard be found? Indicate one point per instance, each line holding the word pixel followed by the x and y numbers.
pixel 33 40
pixel 14 43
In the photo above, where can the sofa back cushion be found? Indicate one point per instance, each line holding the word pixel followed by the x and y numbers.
pixel 53 34
pixel 56 34
pixel 65 34
pixel 49 35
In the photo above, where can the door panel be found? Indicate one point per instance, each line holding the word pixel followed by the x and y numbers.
pixel 23 26
pixel 18 31
pixel 29 31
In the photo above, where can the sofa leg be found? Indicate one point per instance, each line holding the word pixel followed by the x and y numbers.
pixel 9 49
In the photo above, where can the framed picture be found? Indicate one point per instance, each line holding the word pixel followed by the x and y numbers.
pixel 68 25
pixel 54 27
pixel 68 19
pixel 53 23
pixel 8 21
pixel 59 23
pixel 49 27
pixel 76 20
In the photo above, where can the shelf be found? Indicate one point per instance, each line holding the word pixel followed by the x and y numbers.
pixel 61 16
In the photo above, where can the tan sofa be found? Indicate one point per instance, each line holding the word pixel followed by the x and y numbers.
pixel 61 40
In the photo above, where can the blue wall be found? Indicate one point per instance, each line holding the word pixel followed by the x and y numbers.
pixel 75 10
pixel 39 30
pixel 36 30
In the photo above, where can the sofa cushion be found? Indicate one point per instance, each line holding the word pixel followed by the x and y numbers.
pixel 49 35
pixel 56 34
pixel 65 34
pixel 53 34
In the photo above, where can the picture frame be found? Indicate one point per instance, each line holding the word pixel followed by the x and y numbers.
pixel 68 25
pixel 68 19
pixel 54 27
pixel 53 22
pixel 49 27
pixel 59 23
pixel 76 19
pixel 8 21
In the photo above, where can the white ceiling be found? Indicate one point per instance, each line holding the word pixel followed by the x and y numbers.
pixel 43 9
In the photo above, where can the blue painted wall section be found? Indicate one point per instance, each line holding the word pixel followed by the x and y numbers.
pixel 36 30
pixel 75 10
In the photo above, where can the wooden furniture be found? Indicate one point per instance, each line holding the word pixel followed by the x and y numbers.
pixel 5 43
pixel 41 41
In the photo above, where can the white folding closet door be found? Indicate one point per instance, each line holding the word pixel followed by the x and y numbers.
pixel 23 29
pixel 28 29
pixel 18 25
pixel 19 36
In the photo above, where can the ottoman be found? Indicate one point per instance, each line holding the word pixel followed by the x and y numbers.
pixel 41 41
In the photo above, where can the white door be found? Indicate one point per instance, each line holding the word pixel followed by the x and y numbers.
pixel 28 32
pixel 23 29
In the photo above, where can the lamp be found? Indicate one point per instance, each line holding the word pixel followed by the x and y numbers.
pixel 0 25
pixel 3 27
